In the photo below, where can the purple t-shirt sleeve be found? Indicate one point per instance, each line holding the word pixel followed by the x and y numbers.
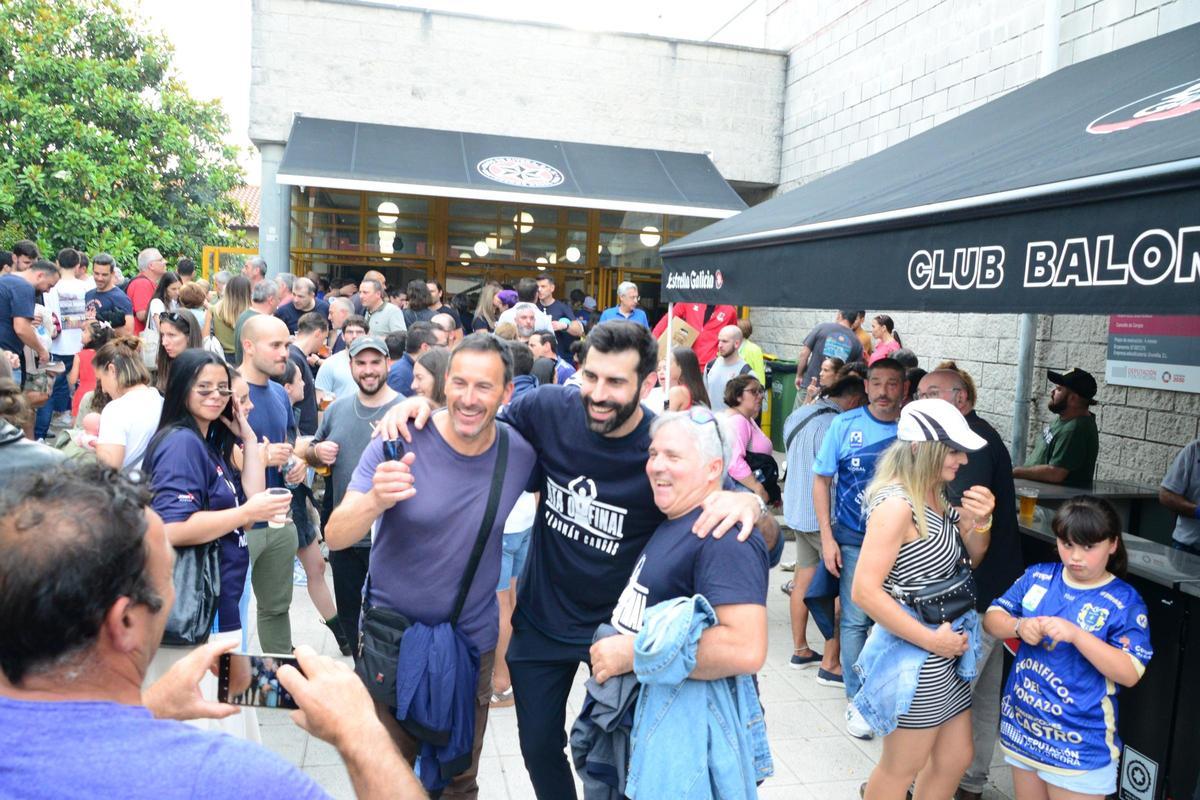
pixel 235 768
pixel 178 477
pixel 365 471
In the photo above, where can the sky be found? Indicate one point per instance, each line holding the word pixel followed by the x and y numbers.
pixel 211 39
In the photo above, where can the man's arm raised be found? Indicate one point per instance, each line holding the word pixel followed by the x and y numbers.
pixel 391 483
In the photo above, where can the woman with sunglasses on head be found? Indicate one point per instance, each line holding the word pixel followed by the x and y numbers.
pixel 201 497
pixel 165 298
pixel 914 578
pixel 743 400
pixel 177 331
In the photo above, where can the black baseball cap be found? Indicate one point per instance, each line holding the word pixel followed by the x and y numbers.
pixel 1077 380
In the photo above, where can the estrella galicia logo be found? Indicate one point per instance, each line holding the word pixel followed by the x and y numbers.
pixel 719 280
pixel 1167 104
pixel 527 173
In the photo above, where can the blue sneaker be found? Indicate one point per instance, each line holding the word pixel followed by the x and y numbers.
pixel 827 678
pixel 299 576
pixel 800 662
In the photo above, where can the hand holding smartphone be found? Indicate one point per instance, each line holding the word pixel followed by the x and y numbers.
pixel 247 679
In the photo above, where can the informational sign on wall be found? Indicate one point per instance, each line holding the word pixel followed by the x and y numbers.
pixel 1154 352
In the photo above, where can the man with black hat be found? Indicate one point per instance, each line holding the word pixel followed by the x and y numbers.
pixel 1067 451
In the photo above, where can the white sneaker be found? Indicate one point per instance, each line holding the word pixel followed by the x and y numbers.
pixel 856 726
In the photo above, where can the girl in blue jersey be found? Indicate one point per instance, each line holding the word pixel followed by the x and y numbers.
pixel 1083 632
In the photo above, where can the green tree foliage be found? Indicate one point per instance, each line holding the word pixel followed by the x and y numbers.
pixel 101 146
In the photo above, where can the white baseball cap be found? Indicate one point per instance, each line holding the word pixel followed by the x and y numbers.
pixel 935 420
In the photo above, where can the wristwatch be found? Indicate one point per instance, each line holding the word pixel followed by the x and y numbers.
pixel 762 509
pixel 1017 627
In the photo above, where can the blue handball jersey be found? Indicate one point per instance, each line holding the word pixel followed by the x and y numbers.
pixel 1058 712
pixel 854 442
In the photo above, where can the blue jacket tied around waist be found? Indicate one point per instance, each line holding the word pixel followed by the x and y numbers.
pixel 691 739
pixel 436 677
pixel 890 667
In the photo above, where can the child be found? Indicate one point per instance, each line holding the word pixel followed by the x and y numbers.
pixel 1083 631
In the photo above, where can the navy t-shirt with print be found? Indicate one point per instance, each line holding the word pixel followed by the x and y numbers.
pixel 677 563
pixel 187 475
pixel 16 300
pixel 103 301
pixel 595 514
pixel 271 417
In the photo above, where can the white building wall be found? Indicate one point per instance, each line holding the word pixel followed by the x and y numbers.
pixel 865 75
pixel 346 59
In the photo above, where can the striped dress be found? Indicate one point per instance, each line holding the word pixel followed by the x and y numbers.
pixel 940 694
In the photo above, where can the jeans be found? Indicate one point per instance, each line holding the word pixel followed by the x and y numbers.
pixel 855 622
pixel 985 710
pixel 272 554
pixel 349 574
pixel 60 399
pixel 542 671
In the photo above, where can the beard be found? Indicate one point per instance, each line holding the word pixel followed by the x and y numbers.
pixel 362 384
pixel 1057 407
pixel 621 415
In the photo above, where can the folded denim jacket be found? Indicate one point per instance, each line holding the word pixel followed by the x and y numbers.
pixel 692 739
pixel 890 667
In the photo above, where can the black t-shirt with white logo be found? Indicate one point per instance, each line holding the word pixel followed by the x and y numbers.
pixel 677 563
pixel 595 515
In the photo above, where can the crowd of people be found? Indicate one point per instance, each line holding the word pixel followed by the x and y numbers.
pixel 609 506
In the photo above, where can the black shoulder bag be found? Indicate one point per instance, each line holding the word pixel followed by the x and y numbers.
pixel 381 629
pixel 945 600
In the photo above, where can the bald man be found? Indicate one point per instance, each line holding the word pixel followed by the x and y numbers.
pixel 727 365
pixel 990 467
pixel 264 341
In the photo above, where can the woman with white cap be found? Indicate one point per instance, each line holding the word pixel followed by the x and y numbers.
pixel 914 579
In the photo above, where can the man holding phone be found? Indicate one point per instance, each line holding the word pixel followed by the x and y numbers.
pixel 423 545
pixel 83 604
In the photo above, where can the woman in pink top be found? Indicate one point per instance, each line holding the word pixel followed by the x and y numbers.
pixel 744 397
pixel 884 331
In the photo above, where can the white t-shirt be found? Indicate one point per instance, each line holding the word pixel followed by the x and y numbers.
pixel 131 420
pixel 335 377
pixel 157 307
pixel 66 300
pixel 522 515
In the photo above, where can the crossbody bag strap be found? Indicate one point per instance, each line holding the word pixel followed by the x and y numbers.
pixel 489 517
pixel 796 432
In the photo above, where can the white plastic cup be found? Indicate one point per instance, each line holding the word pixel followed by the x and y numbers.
pixel 278 491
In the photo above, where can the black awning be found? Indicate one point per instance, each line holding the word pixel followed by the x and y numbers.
pixel 1079 192
pixel 389 158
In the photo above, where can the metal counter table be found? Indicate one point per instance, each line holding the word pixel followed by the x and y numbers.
pixel 1158 718
pixel 1137 505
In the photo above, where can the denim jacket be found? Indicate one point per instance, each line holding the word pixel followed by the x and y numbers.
pixel 890 667
pixel 692 739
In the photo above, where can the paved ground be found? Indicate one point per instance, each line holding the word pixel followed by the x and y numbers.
pixel 814 758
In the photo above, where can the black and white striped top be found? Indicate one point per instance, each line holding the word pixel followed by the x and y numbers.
pixel 940 694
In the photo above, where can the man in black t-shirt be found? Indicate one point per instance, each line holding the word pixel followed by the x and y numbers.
pixel 567 329
pixel 439 303
pixel 828 340
pixel 596 512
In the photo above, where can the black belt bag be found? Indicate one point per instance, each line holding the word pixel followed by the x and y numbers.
pixel 946 600
pixel 381 630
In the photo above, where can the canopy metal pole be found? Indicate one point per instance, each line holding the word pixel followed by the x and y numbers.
pixel 1027 327
pixel 670 347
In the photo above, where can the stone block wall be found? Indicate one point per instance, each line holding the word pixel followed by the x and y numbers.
pixel 863 76
pixel 370 62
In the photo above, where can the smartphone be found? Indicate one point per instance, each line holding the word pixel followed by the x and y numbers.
pixel 393 449
pixel 247 679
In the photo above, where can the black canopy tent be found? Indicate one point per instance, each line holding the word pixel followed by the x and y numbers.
pixel 1079 192
pixel 338 154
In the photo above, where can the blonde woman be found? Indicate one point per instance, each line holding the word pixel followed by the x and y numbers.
pixel 918 661
pixel 234 302
pixel 487 309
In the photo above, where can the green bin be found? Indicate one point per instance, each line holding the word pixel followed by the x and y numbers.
pixel 781 375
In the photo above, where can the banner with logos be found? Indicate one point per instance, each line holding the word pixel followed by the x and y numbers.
pixel 1154 352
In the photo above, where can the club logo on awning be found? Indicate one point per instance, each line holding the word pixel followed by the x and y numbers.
pixel 1168 104
pixel 527 173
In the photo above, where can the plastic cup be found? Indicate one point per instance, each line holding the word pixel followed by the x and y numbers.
pixel 1027 498
pixel 278 491
pixel 325 400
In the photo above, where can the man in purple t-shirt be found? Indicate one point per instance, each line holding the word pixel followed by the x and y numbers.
pixel 84 599
pixel 422 543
